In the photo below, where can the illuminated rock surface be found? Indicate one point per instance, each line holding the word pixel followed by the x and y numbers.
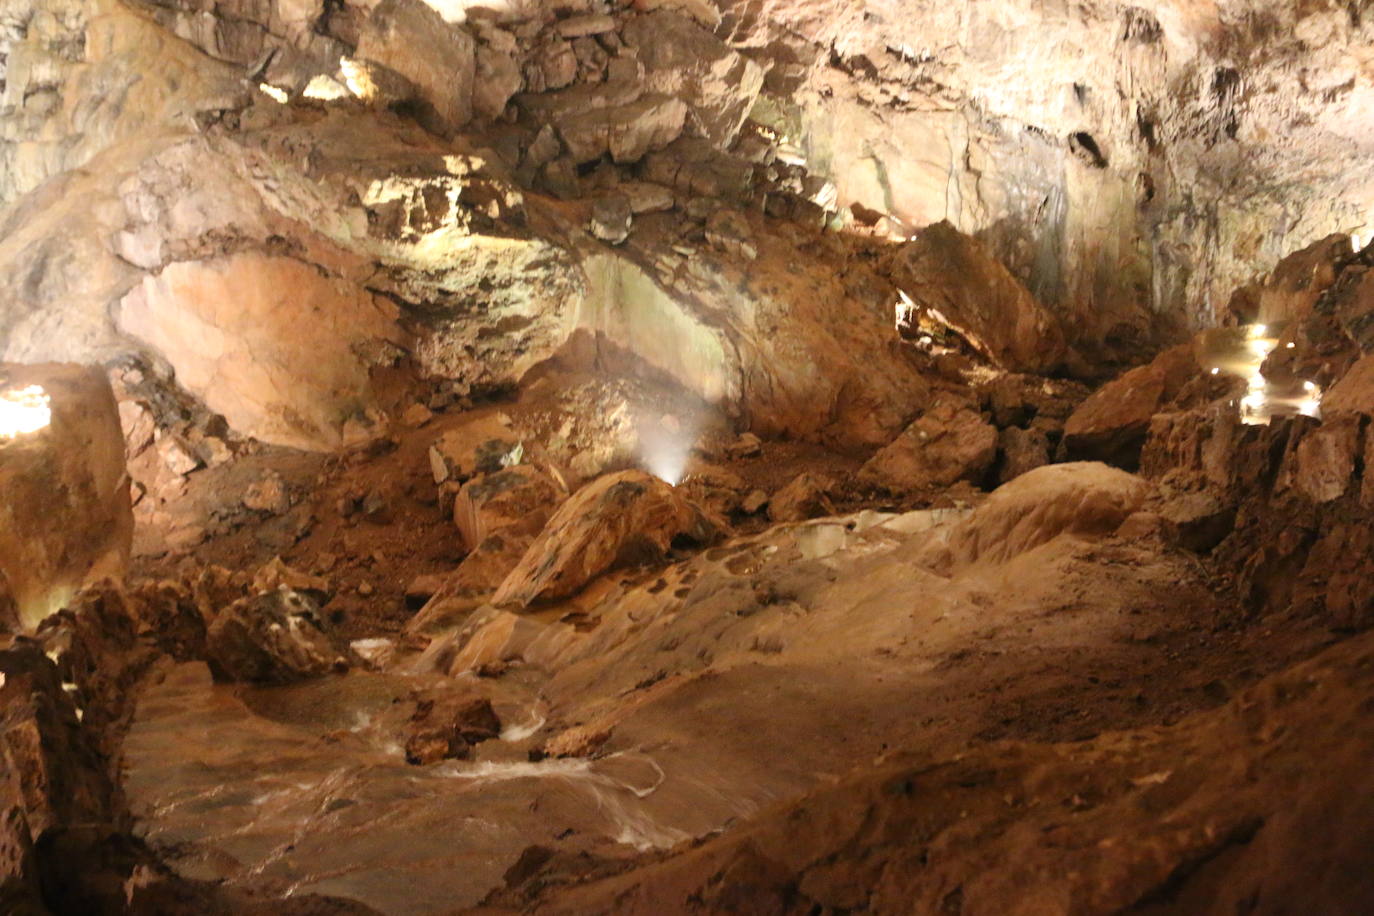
pixel 64 493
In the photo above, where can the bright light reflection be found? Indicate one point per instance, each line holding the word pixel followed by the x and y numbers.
pixel 664 447
pixel 325 89
pixel 1264 399
pixel 272 92
pixel 23 411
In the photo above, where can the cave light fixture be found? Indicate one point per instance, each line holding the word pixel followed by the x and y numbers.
pixel 24 411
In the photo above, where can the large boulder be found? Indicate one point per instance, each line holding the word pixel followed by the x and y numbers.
pixel 954 280
pixel 65 517
pixel 949 442
pixel 493 502
pixel 1080 498
pixel 616 520
pixel 276 637
pixel 1112 423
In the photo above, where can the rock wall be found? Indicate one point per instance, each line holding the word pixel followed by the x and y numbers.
pixel 471 175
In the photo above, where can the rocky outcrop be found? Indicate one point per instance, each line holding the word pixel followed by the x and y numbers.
pixel 955 284
pixel 950 442
pixel 263 376
pixel 274 637
pixel 412 38
pixel 1081 498
pixel 616 520
pixel 64 492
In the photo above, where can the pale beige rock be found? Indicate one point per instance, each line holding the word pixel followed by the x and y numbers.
pixel 616 520
pixel 1084 499
pixel 231 328
pixel 65 517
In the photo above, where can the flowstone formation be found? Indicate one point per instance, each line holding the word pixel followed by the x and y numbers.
pixel 685 456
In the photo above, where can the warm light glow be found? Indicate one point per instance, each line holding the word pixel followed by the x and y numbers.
pixel 664 446
pixel 905 312
pixel 23 411
pixel 1215 370
pixel 273 92
pixel 325 89
pixel 357 79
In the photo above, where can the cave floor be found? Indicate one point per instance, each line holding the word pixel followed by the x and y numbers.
pixel 791 656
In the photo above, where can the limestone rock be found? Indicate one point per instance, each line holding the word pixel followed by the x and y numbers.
pixel 590 24
pixel 492 502
pixel 685 61
pixel 615 520
pixel 268 494
pixel 955 281
pixel 1290 290
pixel 1327 459
pixel 950 442
pixel 497 78
pixel 275 575
pixel 1081 498
pixel 626 131
pixel 65 517
pixel 410 37
pixel 276 637
pixel 805 497
pixel 266 378
pixel 1112 423
pixel 481 445
pixel 729 231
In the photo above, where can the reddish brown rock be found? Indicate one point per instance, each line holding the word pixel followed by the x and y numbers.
pixel 273 638
pixel 616 520
pixel 949 442
pixel 447 726
pixel 1327 459
pixel 1294 285
pixel 489 503
pixel 1111 424
pixel 1021 450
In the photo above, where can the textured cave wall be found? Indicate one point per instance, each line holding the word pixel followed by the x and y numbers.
pixel 1131 163
pixel 1116 154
